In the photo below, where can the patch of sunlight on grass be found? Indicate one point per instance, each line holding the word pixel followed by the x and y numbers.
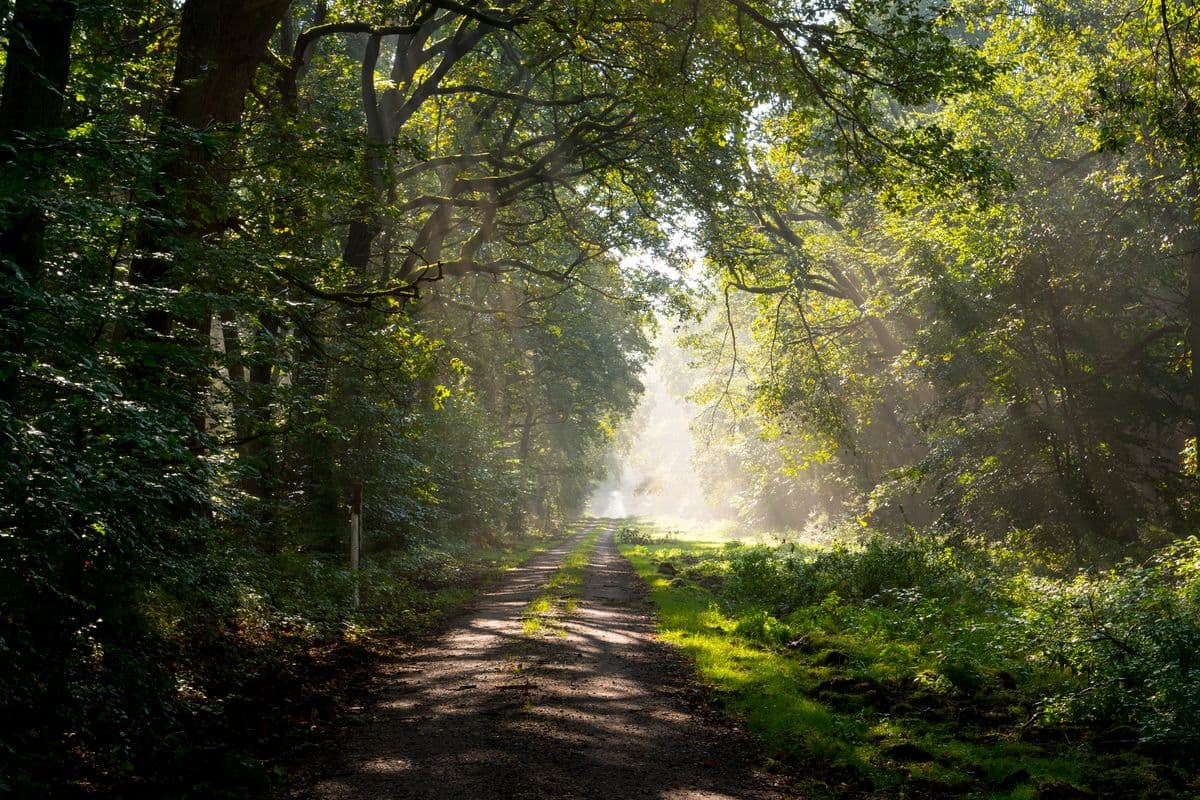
pixel 893 661
pixel 1023 792
pixel 885 728
pixel 856 695
pixel 689 530
pixel 761 684
pixel 772 690
pixel 998 760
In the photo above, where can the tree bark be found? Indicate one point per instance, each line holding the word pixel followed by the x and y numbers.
pixel 35 78
pixel 37 61
pixel 517 514
pixel 221 43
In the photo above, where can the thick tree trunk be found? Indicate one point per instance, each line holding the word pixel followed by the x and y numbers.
pixel 35 77
pixel 221 43
pixel 37 60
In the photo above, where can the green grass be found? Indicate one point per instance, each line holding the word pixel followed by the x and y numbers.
pixel 859 699
pixel 560 596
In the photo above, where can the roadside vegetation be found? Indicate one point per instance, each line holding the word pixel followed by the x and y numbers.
pixel 928 669
pixel 253 698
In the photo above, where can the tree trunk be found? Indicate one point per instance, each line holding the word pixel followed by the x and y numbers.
pixel 258 451
pixel 221 43
pixel 517 514
pixel 313 469
pixel 35 77
pixel 234 362
pixel 250 389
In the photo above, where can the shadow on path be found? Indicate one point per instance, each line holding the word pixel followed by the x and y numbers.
pixel 585 712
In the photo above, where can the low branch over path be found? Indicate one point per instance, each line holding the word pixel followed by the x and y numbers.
pixel 595 710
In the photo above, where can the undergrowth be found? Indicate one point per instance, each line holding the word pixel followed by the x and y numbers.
pixel 928 670
pixel 246 700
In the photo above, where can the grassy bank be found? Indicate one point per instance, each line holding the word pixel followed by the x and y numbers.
pixel 909 669
pixel 401 593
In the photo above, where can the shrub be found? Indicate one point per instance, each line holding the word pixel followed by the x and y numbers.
pixel 631 534
pixel 1117 650
pixel 759 626
pixel 758 576
pixel 1132 636
pixel 785 582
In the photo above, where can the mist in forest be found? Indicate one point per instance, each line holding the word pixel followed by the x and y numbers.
pixel 650 468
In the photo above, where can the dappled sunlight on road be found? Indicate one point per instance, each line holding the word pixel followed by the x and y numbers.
pixel 590 708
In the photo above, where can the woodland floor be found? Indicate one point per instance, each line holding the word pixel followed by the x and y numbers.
pixel 588 706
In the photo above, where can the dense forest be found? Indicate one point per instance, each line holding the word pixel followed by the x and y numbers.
pixel 276 274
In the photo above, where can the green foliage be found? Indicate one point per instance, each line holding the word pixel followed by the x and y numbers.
pixel 761 628
pixel 1114 650
pixel 632 534
pixel 401 591
pixel 907 355
pixel 235 299
pixel 195 375
pixel 900 661
pixel 877 570
pixel 1130 637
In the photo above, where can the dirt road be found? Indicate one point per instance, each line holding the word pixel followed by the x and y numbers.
pixel 593 710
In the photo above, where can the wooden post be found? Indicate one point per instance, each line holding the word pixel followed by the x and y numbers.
pixel 355 534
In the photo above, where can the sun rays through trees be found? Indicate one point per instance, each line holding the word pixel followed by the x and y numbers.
pixel 268 266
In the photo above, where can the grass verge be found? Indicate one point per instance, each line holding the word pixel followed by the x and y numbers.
pixel 855 698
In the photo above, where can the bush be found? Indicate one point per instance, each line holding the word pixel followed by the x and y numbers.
pixel 759 626
pixel 786 582
pixel 1132 637
pixel 631 534
pixel 758 577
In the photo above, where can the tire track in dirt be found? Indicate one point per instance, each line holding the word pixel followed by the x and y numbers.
pixel 593 710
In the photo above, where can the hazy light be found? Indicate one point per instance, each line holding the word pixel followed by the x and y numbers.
pixel 650 470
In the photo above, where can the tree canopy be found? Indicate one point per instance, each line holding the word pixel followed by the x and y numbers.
pixel 258 256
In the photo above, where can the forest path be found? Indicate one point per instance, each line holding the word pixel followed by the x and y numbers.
pixel 593 709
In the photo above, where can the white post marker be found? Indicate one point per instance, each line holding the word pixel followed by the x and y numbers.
pixel 355 535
